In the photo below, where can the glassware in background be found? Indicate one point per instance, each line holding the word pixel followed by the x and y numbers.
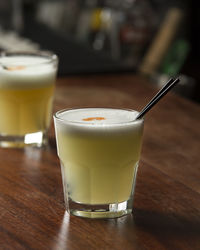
pixel 118 29
pixel 120 35
pixel 27 82
pixel 12 41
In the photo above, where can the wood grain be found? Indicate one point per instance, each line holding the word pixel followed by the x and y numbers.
pixel 167 197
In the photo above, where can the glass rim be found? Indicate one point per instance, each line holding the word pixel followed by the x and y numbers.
pixel 55 115
pixel 49 55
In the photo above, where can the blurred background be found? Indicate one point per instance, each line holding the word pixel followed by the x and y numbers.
pixel 155 38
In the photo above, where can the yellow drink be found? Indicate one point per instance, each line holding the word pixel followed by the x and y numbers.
pixel 99 158
pixel 25 110
pixel 26 96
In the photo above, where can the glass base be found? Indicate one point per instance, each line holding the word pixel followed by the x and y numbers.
pixel 100 211
pixel 37 139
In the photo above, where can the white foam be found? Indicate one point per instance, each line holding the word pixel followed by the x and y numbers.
pixel 110 119
pixel 37 70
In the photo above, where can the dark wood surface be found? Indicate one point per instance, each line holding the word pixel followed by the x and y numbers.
pixel 167 197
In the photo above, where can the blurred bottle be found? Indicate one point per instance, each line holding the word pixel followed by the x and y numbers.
pixel 136 30
pixel 121 29
pixel 84 20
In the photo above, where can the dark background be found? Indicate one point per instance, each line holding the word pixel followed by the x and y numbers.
pixel 79 57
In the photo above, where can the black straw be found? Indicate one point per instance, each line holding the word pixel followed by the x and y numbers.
pixel 165 89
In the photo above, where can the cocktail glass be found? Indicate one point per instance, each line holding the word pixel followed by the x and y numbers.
pixel 99 151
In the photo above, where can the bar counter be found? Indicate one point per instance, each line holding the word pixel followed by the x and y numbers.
pixel 166 212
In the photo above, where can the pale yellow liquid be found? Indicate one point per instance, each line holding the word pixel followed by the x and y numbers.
pixel 25 110
pixel 99 169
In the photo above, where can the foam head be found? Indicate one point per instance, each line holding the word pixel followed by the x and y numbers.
pixel 26 71
pixel 98 119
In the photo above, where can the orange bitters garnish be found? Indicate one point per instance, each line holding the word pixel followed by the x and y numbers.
pixel 93 118
pixel 12 68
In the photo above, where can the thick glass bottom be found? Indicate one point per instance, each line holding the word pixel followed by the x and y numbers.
pixel 100 211
pixel 37 139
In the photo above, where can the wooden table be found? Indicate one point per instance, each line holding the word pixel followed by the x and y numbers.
pixel 167 197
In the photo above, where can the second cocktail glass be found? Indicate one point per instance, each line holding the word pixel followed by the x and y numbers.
pixel 26 96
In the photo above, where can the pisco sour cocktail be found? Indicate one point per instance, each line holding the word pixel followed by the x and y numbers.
pixel 99 150
pixel 26 96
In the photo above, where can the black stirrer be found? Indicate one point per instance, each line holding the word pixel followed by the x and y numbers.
pixel 169 85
